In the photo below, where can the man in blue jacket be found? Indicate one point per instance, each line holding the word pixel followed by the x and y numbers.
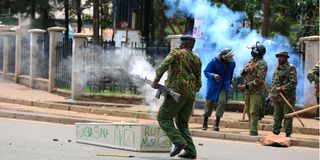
pixel 219 73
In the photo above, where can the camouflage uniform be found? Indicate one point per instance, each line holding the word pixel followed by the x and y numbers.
pixel 313 75
pixel 184 77
pixel 253 75
pixel 285 76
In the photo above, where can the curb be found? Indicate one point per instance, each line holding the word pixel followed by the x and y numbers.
pixel 79 107
pixel 196 133
pixel 43 117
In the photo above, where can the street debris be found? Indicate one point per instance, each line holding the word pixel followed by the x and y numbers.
pixel 116 155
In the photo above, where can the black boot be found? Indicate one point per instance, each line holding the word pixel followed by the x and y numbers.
pixel 216 124
pixel 205 123
pixel 288 134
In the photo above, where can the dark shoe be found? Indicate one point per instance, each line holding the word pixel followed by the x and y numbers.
pixel 205 123
pixel 216 124
pixel 275 133
pixel 254 134
pixel 187 156
pixel 288 134
pixel 317 118
pixel 178 149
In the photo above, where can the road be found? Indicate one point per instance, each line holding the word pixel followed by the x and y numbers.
pixel 26 140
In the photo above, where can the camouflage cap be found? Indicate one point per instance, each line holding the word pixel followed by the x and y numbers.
pixel 283 53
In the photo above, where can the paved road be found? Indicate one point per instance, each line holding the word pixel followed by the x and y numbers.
pixel 35 140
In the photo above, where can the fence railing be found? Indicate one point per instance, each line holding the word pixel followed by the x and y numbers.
pixel 64 64
pixel 43 58
pixel 25 54
pixel 234 93
pixel 106 68
pixel 1 53
pixel 11 53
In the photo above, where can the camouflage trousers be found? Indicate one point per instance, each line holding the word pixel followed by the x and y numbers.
pixel 280 109
pixel 220 105
pixel 253 103
pixel 181 112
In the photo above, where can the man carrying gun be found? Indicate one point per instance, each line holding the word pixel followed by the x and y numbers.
pixel 184 78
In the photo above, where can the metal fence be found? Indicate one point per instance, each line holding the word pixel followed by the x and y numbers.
pixel 106 68
pixel 25 54
pixel 43 58
pixel 1 53
pixel 11 53
pixel 234 93
pixel 64 64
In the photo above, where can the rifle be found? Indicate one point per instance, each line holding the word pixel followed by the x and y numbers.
pixel 163 90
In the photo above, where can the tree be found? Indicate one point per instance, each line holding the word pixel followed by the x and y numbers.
pixel 96 16
pixel 266 15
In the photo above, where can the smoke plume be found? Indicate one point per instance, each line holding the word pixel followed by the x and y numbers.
pixel 218 27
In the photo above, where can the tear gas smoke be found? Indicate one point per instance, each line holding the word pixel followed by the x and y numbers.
pixel 218 27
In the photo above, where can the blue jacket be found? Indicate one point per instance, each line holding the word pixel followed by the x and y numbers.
pixel 213 87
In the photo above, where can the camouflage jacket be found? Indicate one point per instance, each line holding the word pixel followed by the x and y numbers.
pixel 285 76
pixel 313 75
pixel 253 75
pixel 184 72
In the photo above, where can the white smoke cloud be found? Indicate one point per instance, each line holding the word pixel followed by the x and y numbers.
pixel 122 63
pixel 221 28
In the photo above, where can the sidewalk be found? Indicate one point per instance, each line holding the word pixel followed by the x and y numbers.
pixel 17 101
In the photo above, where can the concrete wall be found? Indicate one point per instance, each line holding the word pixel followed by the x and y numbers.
pixel 40 83
pixel 10 76
pixel 24 80
pixel 136 137
pixel 310 46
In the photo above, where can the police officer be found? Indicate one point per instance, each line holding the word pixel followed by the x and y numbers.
pixel 219 73
pixel 284 80
pixel 253 75
pixel 313 76
pixel 184 77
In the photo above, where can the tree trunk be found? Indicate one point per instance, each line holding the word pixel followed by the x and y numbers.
pixel 79 20
pixel 32 14
pixel 147 17
pixel 161 30
pixel 189 25
pixel 95 21
pixel 266 15
pixel 251 21
pixel 66 19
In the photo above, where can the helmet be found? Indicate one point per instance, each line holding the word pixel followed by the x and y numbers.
pixel 226 54
pixel 259 50
pixel 226 51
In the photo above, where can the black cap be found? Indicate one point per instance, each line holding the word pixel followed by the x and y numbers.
pixel 187 38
